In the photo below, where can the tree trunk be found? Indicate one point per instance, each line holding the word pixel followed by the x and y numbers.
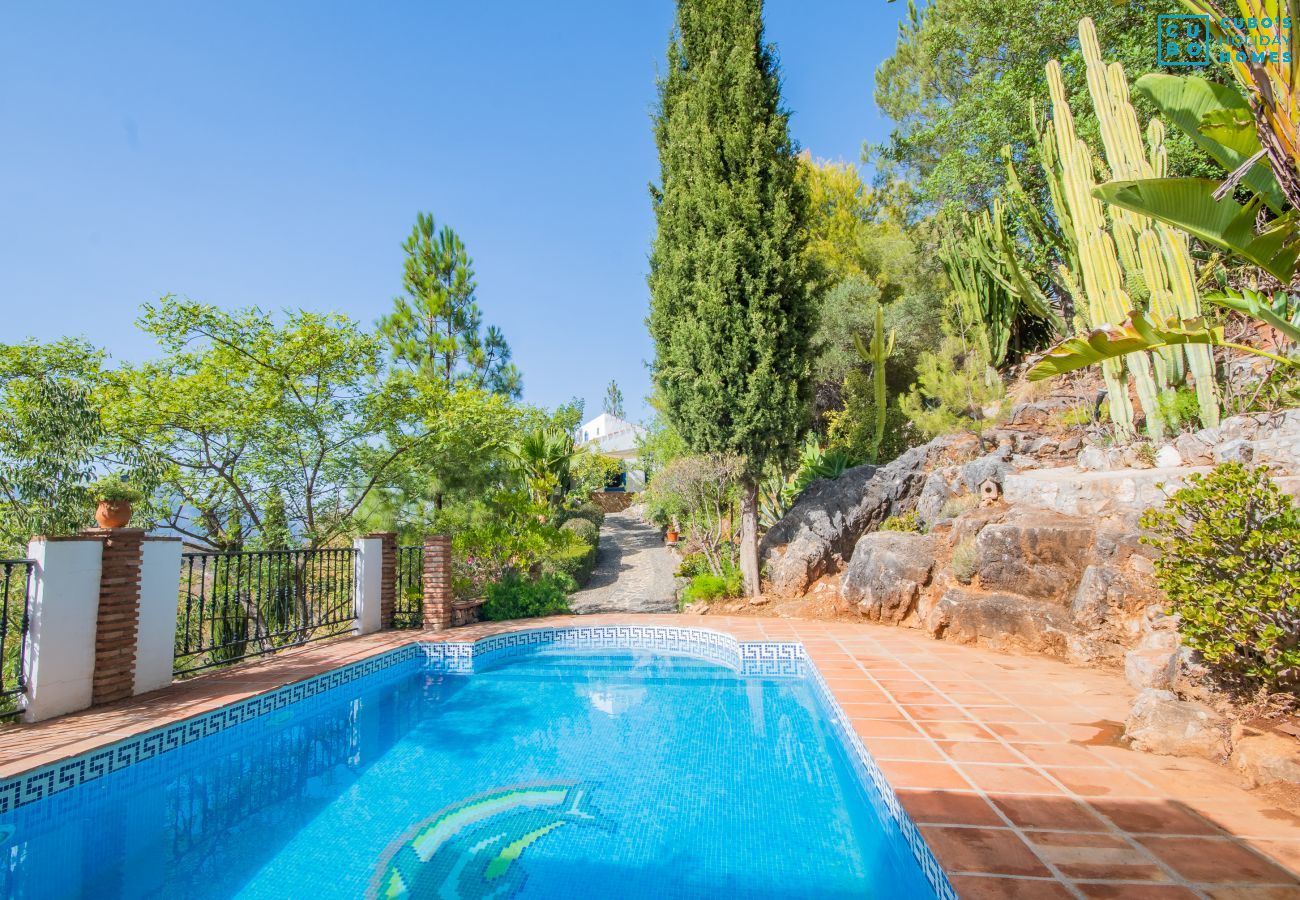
pixel 749 536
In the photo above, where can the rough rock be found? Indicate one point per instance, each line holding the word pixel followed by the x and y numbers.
pixel 934 495
pixel 1001 621
pixel 1161 723
pixel 1266 759
pixel 1034 553
pixel 1234 451
pixel 885 576
pixel 993 466
pixel 822 528
pixel 1119 496
pixel 1168 457
pixel 1151 668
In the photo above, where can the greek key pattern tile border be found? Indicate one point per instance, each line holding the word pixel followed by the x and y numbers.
pixel 58 777
pixel 760 658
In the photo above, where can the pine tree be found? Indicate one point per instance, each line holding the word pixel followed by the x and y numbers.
pixel 731 308
pixel 614 400
pixel 435 330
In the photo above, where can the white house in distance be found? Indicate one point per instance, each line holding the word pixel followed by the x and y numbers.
pixel 613 436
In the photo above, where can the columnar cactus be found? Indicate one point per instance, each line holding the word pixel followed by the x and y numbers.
pixel 1151 251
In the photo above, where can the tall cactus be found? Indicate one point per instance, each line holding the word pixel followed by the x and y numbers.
pixel 1150 250
pixel 1106 300
pixel 880 351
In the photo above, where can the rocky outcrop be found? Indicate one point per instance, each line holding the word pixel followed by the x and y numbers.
pixel 998 620
pixel 1161 723
pixel 886 574
pixel 1265 758
pixel 1034 553
pixel 819 533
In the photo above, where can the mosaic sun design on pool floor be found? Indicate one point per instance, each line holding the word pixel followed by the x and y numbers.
pixel 472 848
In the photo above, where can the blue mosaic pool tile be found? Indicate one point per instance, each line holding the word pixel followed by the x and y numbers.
pixel 55 778
pixel 767 659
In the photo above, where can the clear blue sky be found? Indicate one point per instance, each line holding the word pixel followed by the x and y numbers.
pixel 276 154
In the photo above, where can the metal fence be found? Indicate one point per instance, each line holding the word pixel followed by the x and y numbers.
pixel 408 604
pixel 237 605
pixel 15 588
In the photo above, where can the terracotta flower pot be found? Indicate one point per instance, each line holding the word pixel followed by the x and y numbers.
pixel 113 513
pixel 671 537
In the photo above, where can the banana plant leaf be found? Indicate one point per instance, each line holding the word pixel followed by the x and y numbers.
pixel 1218 120
pixel 1189 204
pixel 1282 311
pixel 1137 334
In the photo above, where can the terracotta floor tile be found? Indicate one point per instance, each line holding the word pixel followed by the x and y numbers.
pixel 884 728
pixel 1001 779
pixel 1061 813
pixel 1058 754
pixel 983 887
pixel 998 851
pixel 1253 892
pixel 1101 783
pixel 926 775
pixel 1028 731
pixel 944 712
pixel 1095 856
pixel 872 711
pixel 981 751
pixel 1211 860
pixel 958 731
pixel 1153 817
pixel 948 808
pixel 1113 891
pixel 903 748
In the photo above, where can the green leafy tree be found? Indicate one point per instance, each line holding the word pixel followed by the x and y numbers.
pixel 614 400
pixel 962 84
pixel 731 310
pixel 259 427
pixel 436 330
pixel 50 434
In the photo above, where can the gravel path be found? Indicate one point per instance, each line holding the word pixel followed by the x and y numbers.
pixel 634 571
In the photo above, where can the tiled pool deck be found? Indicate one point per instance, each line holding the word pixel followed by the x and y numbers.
pixel 1008 763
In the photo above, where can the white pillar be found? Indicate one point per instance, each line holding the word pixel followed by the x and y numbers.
pixel 59 657
pixel 155 647
pixel 367 583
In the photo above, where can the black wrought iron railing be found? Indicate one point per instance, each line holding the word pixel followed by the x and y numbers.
pixel 15 613
pixel 237 605
pixel 408 605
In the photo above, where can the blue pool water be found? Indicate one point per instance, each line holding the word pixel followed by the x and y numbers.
pixel 562 773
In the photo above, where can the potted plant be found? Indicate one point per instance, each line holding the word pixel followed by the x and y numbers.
pixel 114 496
pixel 671 537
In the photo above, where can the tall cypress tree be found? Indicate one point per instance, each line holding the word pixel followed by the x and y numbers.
pixel 731 309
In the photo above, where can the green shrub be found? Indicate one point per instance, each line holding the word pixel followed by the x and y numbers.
pixel 113 489
pixel 583 529
pixel 574 559
pixel 1180 409
pixel 964 558
pixel 693 564
pixel 908 521
pixel 707 586
pixel 1229 562
pixel 1145 453
pixel 588 511
pixel 516 597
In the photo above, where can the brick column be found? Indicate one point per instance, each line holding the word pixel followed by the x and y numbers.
pixel 118 623
pixel 387 576
pixel 437 582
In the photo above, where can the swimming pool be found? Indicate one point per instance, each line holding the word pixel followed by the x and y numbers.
pixel 609 761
